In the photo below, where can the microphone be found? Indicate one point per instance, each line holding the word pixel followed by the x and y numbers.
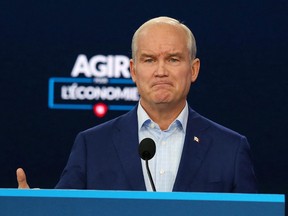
pixel 147 149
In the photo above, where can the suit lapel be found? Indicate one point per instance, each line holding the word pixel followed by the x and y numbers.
pixel 125 138
pixel 195 148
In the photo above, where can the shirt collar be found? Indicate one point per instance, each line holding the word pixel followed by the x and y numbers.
pixel 144 118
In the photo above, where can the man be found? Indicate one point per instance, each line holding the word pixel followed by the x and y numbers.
pixel 193 153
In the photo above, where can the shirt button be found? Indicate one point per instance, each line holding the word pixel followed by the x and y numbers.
pixel 163 143
pixel 152 125
pixel 162 172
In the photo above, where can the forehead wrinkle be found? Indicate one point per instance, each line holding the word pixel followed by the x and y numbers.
pixel 165 54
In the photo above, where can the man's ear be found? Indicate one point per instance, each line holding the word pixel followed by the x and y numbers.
pixel 195 68
pixel 132 70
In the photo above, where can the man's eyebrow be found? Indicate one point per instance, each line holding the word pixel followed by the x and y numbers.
pixel 146 55
pixel 175 54
pixel 167 55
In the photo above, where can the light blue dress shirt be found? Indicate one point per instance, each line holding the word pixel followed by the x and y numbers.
pixel 169 145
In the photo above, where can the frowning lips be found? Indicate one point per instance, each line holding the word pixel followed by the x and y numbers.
pixel 161 83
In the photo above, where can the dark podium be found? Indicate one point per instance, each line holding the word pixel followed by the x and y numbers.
pixel 119 203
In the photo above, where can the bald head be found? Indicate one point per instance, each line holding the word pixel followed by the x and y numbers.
pixel 191 43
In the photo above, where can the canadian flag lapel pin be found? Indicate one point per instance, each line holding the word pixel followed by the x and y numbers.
pixel 196 139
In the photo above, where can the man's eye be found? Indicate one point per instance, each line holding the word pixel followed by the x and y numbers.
pixel 173 60
pixel 148 60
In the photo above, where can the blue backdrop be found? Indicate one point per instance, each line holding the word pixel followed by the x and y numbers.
pixel 243 81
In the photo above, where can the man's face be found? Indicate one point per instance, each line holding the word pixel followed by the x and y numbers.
pixel 163 69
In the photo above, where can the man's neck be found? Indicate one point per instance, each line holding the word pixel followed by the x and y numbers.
pixel 163 114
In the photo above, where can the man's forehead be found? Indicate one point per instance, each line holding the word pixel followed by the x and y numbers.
pixel 162 34
pixel 156 29
pixel 161 39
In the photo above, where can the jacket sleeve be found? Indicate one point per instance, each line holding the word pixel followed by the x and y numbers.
pixel 74 174
pixel 244 177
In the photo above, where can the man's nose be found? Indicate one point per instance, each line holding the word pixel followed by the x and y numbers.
pixel 161 69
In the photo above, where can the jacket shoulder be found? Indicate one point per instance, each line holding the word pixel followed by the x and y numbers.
pixel 211 128
pixel 117 123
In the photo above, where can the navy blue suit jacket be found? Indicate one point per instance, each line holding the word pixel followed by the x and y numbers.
pixel 106 157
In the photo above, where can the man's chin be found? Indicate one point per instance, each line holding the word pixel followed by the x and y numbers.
pixel 162 100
